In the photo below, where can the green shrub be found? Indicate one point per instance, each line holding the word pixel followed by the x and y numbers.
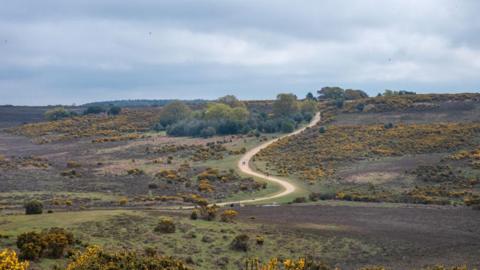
pixel 31 245
pixel 152 186
pixel 194 215
pixel 240 243
pixel 321 196
pixel 58 113
pixel 300 200
pixel 33 207
pixel 123 201
pixel 50 243
pixel 260 240
pixel 388 126
pixel 57 240
pixel 288 126
pixel 209 212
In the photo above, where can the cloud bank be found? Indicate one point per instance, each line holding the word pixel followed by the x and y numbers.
pixel 78 51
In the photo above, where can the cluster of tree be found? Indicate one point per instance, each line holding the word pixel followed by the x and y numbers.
pixel 389 93
pixel 58 113
pixel 228 115
pixel 112 110
pixel 337 93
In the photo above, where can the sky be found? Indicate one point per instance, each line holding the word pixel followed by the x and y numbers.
pixel 77 51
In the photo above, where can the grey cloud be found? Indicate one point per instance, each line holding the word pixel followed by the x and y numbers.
pixel 76 51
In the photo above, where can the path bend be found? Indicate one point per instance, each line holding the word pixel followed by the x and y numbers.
pixel 244 166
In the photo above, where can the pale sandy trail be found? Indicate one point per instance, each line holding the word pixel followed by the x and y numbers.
pixel 244 166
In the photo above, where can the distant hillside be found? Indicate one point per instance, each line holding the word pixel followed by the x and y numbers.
pixel 143 102
pixel 17 115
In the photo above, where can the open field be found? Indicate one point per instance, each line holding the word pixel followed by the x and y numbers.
pixel 385 187
pixel 350 236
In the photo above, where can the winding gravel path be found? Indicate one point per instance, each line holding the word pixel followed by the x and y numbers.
pixel 244 166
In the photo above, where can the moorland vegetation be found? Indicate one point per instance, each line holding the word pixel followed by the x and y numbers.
pixel 211 237
pixel 321 154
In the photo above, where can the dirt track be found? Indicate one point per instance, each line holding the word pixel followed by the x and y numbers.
pixel 244 166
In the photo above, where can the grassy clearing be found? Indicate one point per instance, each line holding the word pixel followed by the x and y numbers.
pixel 302 188
pixel 16 224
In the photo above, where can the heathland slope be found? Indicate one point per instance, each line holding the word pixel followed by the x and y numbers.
pixel 424 151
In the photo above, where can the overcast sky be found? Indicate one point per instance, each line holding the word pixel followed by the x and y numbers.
pixel 77 51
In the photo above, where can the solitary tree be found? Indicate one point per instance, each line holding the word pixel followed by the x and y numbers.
pixel 331 93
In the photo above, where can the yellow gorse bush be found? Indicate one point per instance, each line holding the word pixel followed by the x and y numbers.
pixel 9 261
pixel 294 264
pixel 95 258
pixel 276 264
pixel 84 258
pixel 228 215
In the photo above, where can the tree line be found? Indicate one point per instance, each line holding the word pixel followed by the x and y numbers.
pixel 228 115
